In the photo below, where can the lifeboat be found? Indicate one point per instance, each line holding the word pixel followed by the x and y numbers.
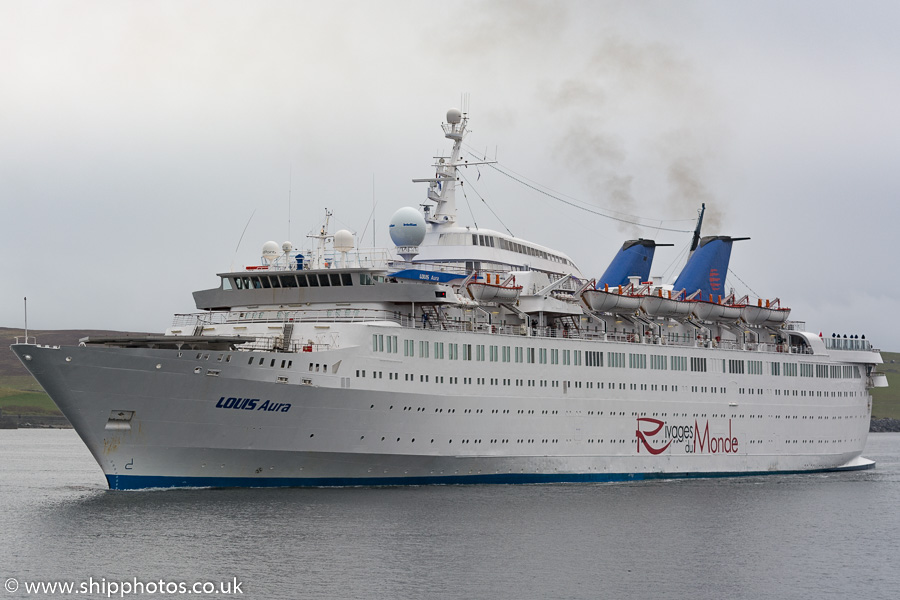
pixel 486 291
pixel 778 317
pixel 716 310
pixel 755 315
pixel 663 305
pixel 770 313
pixel 618 300
pixel 710 311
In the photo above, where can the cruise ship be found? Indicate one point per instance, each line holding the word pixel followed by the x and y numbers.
pixel 463 355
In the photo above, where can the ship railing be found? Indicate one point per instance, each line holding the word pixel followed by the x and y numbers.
pixel 300 260
pixel 195 323
pixel 25 339
pixel 845 343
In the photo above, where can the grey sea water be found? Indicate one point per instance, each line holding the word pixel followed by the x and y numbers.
pixel 798 536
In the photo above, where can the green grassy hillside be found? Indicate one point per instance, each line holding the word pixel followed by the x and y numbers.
pixel 20 394
pixel 886 401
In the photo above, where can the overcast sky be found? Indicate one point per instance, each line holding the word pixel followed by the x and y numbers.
pixel 137 138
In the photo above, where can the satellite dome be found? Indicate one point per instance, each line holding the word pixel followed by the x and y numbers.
pixel 343 240
pixel 287 247
pixel 407 227
pixel 270 251
pixel 454 116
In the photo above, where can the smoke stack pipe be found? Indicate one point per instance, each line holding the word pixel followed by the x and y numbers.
pixel 696 240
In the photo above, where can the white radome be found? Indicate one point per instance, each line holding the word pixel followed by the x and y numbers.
pixel 407 227
pixel 454 116
pixel 270 251
pixel 343 240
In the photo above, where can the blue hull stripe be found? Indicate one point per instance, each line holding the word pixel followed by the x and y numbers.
pixel 138 482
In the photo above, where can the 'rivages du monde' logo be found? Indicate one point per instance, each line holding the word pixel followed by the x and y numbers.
pixel 696 441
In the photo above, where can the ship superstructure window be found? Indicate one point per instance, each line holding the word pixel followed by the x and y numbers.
pixel 806 370
pixel 736 366
pixel 454 351
pixel 566 356
pixel 409 348
pixel 529 353
pixel 776 368
pixel 479 352
pixel 439 349
pixel 490 241
pixel 754 367
pixel 698 364
pixel 423 349
pixel 506 353
pixel 323 280
pixel 467 351
pixel 678 363
pixel 365 279
pixel 494 353
pixel 519 354
pixel 593 359
pixel 658 362
pixel 616 360
pixel 288 281
pixel 637 361
pixel 226 283
pixel 577 358
pixel 313 280
pixel 542 354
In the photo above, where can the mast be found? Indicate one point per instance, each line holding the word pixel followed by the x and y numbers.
pixel 442 187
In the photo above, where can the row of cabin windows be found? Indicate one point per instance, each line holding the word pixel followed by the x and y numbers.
pixel 613 359
pixel 600 385
pixel 295 280
pixel 490 241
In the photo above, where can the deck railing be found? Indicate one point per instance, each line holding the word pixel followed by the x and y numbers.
pixel 195 323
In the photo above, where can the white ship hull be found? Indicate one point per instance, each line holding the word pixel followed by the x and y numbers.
pixel 338 428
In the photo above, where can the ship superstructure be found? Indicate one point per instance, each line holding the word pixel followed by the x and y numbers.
pixel 463 355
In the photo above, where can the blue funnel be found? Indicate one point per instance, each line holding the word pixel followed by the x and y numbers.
pixel 707 267
pixel 634 259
